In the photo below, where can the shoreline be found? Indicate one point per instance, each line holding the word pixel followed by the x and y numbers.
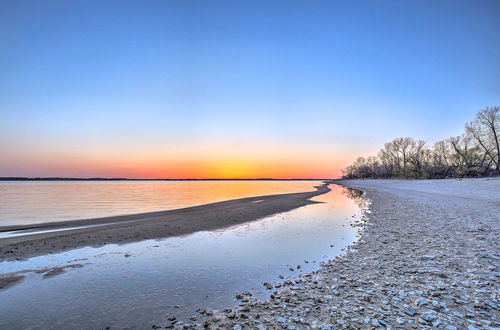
pixel 152 225
pixel 427 257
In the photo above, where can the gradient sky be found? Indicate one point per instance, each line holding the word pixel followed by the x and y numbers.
pixel 197 89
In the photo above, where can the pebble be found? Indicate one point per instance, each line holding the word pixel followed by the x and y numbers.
pixel 411 311
pixel 436 264
pixel 429 317
pixel 281 319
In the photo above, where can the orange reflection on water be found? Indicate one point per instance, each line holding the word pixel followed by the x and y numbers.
pixel 37 202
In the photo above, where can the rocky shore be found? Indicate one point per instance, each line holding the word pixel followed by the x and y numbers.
pixel 428 257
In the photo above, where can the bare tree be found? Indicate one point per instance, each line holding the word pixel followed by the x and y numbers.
pixel 481 136
pixel 441 165
pixel 467 155
pixel 471 154
pixel 402 146
pixel 417 157
pixel 489 119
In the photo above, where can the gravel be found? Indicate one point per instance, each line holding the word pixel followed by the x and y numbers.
pixel 428 257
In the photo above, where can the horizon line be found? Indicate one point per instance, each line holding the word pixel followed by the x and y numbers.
pixel 20 178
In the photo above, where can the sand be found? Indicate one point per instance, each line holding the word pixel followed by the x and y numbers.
pixel 152 225
pixel 10 279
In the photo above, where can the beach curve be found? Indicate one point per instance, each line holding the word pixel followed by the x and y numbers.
pixel 60 236
pixel 427 257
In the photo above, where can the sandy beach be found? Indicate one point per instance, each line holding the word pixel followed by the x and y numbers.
pixel 68 235
pixel 428 258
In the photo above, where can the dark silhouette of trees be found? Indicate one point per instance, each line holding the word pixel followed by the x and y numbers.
pixel 475 153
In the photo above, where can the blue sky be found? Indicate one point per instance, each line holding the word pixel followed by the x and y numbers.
pixel 335 77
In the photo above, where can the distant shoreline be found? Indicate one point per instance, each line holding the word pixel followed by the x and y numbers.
pixel 158 179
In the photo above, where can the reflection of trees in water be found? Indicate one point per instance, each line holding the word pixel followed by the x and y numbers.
pixel 357 196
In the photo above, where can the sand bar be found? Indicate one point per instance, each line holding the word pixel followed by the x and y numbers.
pixel 60 236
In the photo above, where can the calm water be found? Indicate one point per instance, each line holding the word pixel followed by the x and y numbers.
pixel 36 202
pixel 137 285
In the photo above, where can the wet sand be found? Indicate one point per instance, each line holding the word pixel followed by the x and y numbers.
pixel 10 279
pixel 152 225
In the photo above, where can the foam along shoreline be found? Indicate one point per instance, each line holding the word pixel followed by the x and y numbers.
pixel 59 236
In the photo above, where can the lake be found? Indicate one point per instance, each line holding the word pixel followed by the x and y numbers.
pixel 29 202
pixel 140 284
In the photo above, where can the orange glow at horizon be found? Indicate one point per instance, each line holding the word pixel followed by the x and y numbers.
pixel 199 161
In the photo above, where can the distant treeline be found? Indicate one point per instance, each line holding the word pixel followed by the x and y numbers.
pixel 17 178
pixel 475 153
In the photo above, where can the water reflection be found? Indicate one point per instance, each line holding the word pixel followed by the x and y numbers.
pixel 357 196
pixel 139 284
pixel 28 202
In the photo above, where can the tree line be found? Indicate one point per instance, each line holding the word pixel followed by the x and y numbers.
pixel 475 153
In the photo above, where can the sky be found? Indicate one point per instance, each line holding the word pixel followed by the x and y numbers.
pixel 235 89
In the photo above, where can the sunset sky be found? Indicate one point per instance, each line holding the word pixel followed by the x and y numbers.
pixel 235 89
